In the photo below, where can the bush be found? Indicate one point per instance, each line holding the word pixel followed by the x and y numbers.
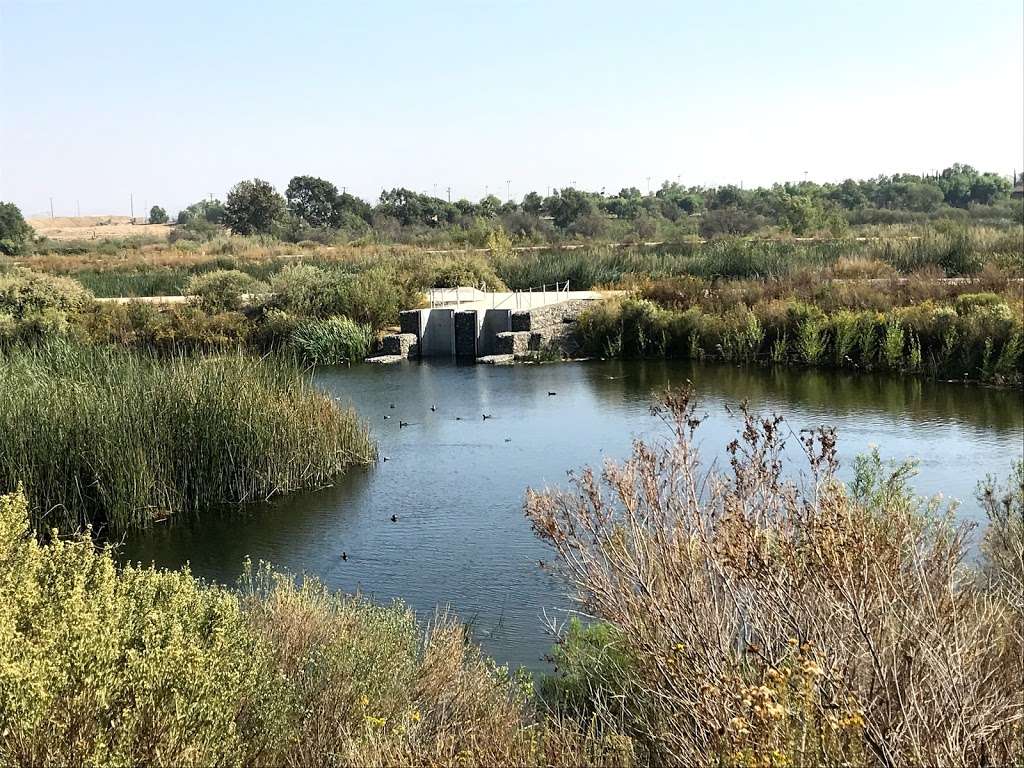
pixel 221 289
pixel 158 215
pixel 108 665
pixel 771 621
pixel 333 341
pixel 24 293
pixel 305 290
pixel 468 271
pixel 15 233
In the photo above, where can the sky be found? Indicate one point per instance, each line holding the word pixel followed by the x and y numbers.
pixel 103 102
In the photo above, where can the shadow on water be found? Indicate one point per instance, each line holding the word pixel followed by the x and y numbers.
pixel 455 481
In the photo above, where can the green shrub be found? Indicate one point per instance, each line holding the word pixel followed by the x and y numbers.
pixel 108 665
pixel 24 293
pixel 221 289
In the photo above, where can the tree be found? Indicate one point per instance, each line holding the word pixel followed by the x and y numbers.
pixel 211 211
pixel 158 215
pixel 568 205
pixel 532 203
pixel 15 233
pixel 314 201
pixel 253 207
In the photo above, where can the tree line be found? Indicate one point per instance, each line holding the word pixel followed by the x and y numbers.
pixel 311 203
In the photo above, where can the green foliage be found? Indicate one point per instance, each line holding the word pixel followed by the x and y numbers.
pixel 210 211
pixel 15 233
pixel 333 341
pixel 158 215
pixel 253 208
pixel 313 201
pixel 103 436
pixel 983 341
pixel 108 665
pixel 220 290
pixel 592 671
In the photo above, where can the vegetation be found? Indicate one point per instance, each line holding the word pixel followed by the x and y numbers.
pixel 332 341
pixel 971 336
pixel 220 290
pixel 158 215
pixel 15 233
pixel 112 439
pixel 754 621
pixel 253 207
pixel 739 620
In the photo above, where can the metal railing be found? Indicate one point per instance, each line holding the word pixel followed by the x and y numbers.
pixel 521 299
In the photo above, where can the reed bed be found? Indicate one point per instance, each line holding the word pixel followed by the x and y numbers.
pixel 114 439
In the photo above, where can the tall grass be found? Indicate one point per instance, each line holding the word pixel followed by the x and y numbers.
pixel 980 338
pixel 332 341
pixel 111 438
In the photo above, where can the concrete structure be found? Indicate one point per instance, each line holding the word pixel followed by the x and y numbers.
pixel 468 324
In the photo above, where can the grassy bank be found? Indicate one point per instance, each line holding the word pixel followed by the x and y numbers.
pixel 920 328
pixel 112 438
pixel 739 621
pixel 165 269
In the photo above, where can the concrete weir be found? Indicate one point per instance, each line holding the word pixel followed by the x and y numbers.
pixel 467 324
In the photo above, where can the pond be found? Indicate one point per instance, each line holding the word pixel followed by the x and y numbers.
pixel 456 481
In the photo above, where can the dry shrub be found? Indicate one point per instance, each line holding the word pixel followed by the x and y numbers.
pixel 772 623
pixel 861 268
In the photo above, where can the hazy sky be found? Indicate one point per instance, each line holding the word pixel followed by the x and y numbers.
pixel 175 100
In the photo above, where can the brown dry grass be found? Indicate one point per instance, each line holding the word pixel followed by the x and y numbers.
pixel 96 227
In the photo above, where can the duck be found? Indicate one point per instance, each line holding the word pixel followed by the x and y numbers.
pixel 386 417
pixel 402 424
pixel 394 518
pixel 386 458
pixel 391 406
pixel 458 418
pixel 344 555
pixel 433 407
pixel 486 416
pixel 552 394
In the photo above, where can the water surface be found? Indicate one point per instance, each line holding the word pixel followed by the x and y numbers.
pixel 456 481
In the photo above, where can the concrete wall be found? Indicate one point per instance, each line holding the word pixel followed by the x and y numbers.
pixel 493 322
pixel 437 334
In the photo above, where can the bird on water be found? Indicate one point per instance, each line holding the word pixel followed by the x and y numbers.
pixel 403 424
pixel 394 518
pixel 344 555
pixel 433 407
pixel 486 416
pixel 552 394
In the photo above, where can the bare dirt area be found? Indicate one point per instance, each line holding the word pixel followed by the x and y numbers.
pixel 96 227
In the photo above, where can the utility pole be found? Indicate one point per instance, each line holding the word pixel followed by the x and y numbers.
pixel 131 201
pixel 805 177
pixel 51 208
pixel 486 190
pixel 449 191
pixel 78 209
pixel 211 197
pixel 648 185
pixel 508 189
